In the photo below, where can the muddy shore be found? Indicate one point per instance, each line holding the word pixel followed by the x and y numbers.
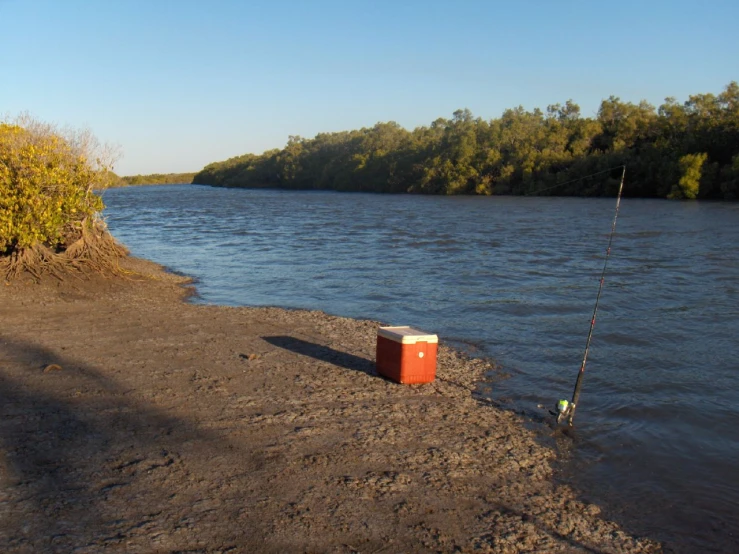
pixel 133 421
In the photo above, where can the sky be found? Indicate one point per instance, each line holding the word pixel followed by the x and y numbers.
pixel 180 84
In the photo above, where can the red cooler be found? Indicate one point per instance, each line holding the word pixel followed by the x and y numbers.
pixel 406 355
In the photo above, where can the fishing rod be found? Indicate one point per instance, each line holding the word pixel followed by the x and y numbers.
pixel 565 409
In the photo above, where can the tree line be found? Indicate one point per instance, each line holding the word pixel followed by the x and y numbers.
pixel 158 179
pixel 680 150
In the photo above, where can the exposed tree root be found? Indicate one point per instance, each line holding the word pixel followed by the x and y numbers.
pixel 94 251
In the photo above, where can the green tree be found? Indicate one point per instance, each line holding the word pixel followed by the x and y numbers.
pixel 689 184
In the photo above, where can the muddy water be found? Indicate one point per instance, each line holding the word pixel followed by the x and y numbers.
pixel 657 435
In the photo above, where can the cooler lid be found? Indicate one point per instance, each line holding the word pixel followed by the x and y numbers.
pixel 406 335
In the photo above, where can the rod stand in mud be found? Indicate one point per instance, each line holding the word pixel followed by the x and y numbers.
pixel 566 410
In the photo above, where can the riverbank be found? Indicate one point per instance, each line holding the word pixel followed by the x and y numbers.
pixel 134 421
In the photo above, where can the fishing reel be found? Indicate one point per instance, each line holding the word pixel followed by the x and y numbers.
pixel 565 410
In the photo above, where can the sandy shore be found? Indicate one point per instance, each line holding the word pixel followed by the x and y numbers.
pixel 168 427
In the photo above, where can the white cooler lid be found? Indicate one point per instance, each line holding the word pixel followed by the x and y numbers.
pixel 406 335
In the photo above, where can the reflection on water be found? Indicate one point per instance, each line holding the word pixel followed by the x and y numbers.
pixel 657 434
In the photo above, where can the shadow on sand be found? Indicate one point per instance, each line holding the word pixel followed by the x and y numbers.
pixel 323 353
pixel 85 463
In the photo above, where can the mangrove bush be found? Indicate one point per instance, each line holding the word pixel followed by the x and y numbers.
pixel 49 215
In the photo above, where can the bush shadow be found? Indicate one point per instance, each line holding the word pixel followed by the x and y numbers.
pixel 84 464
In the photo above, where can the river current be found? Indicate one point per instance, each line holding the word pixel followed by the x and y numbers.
pixel 515 279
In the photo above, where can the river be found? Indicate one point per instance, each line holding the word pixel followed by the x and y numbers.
pixel 657 429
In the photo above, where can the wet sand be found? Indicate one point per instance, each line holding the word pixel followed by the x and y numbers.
pixel 133 421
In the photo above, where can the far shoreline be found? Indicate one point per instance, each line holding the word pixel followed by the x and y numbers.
pixel 467 197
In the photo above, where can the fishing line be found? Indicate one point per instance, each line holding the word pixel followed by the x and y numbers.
pixel 578 179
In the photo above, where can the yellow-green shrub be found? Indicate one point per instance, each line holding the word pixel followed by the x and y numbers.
pixel 45 189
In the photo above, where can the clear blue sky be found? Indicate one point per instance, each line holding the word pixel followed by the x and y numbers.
pixel 179 84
